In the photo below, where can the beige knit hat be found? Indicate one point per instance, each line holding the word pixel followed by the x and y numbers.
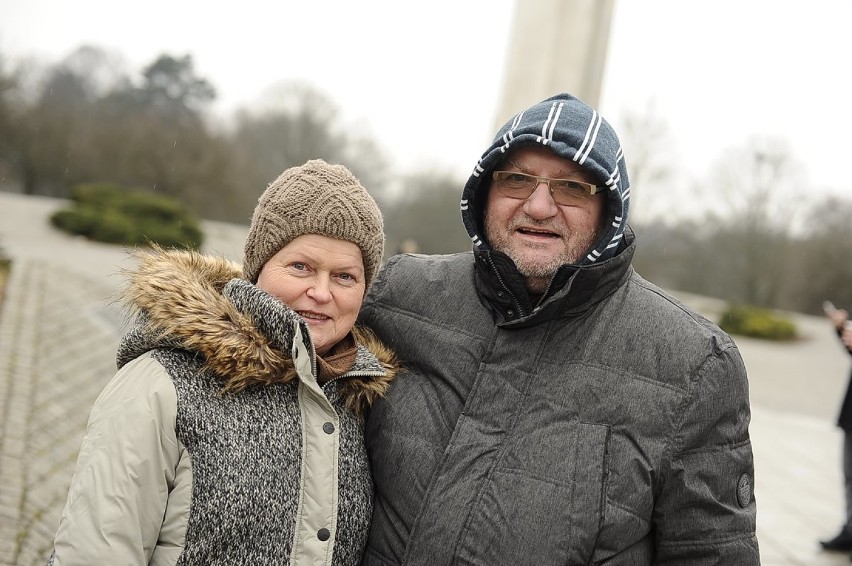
pixel 314 198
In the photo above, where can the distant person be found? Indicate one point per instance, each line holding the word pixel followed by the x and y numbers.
pixel 843 541
pixel 408 246
pixel 555 407
pixel 233 432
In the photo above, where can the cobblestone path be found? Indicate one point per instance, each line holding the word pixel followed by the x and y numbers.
pixel 57 349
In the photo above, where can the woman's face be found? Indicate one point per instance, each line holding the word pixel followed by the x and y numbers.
pixel 322 279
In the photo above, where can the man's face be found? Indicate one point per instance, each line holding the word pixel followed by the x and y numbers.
pixel 537 233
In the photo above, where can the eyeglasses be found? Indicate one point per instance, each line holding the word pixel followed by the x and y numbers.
pixel 564 191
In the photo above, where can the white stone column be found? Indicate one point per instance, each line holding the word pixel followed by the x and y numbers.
pixel 556 46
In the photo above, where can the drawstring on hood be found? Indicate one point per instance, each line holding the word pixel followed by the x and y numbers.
pixel 572 130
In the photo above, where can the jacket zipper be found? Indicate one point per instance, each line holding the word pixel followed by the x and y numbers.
pixel 361 373
pixel 546 291
pixel 517 304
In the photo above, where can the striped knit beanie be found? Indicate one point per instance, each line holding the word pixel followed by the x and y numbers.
pixel 314 198
pixel 572 130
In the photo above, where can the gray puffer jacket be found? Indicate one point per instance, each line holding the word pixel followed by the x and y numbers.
pixel 603 423
pixel 574 435
pixel 214 444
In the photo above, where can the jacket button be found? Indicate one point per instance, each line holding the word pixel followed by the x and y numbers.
pixel 328 428
pixel 744 491
pixel 510 313
pixel 500 294
pixel 323 534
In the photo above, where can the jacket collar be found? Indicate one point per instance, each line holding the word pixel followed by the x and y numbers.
pixel 201 304
pixel 573 289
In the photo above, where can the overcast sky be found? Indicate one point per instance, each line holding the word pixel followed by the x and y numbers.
pixel 424 78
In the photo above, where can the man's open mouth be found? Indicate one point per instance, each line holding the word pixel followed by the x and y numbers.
pixel 538 233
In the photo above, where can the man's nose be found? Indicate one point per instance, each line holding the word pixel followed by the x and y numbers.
pixel 540 203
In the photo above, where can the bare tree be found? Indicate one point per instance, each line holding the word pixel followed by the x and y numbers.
pixel 822 258
pixel 9 103
pixel 742 248
pixel 295 123
pixel 426 213
pixel 50 116
pixel 46 131
pixel 751 222
pixel 649 150
pixel 152 133
pixel 84 120
pixel 104 70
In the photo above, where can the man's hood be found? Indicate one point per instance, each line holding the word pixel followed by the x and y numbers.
pixel 575 131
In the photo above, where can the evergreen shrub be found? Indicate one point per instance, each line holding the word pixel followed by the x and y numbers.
pixel 756 322
pixel 112 214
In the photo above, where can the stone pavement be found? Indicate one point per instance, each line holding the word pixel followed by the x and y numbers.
pixel 59 328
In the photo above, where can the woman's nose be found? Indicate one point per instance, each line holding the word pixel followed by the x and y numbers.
pixel 320 290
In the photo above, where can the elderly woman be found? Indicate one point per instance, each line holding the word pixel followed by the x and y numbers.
pixel 232 432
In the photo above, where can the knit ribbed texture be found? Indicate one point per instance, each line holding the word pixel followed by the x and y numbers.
pixel 245 470
pixel 314 198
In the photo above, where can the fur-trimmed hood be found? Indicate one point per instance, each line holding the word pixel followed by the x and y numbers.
pixel 199 303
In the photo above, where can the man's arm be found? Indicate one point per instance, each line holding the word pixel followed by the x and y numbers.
pixel 705 511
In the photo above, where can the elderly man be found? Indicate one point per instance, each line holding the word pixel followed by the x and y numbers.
pixel 555 407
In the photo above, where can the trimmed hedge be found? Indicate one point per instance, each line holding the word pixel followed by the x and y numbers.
pixel 756 322
pixel 111 214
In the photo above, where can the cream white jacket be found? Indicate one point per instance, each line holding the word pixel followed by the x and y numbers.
pixel 130 501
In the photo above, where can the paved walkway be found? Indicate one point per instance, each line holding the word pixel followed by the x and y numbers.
pixel 59 329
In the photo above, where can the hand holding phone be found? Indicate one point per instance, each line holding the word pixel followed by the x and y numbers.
pixel 838 316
